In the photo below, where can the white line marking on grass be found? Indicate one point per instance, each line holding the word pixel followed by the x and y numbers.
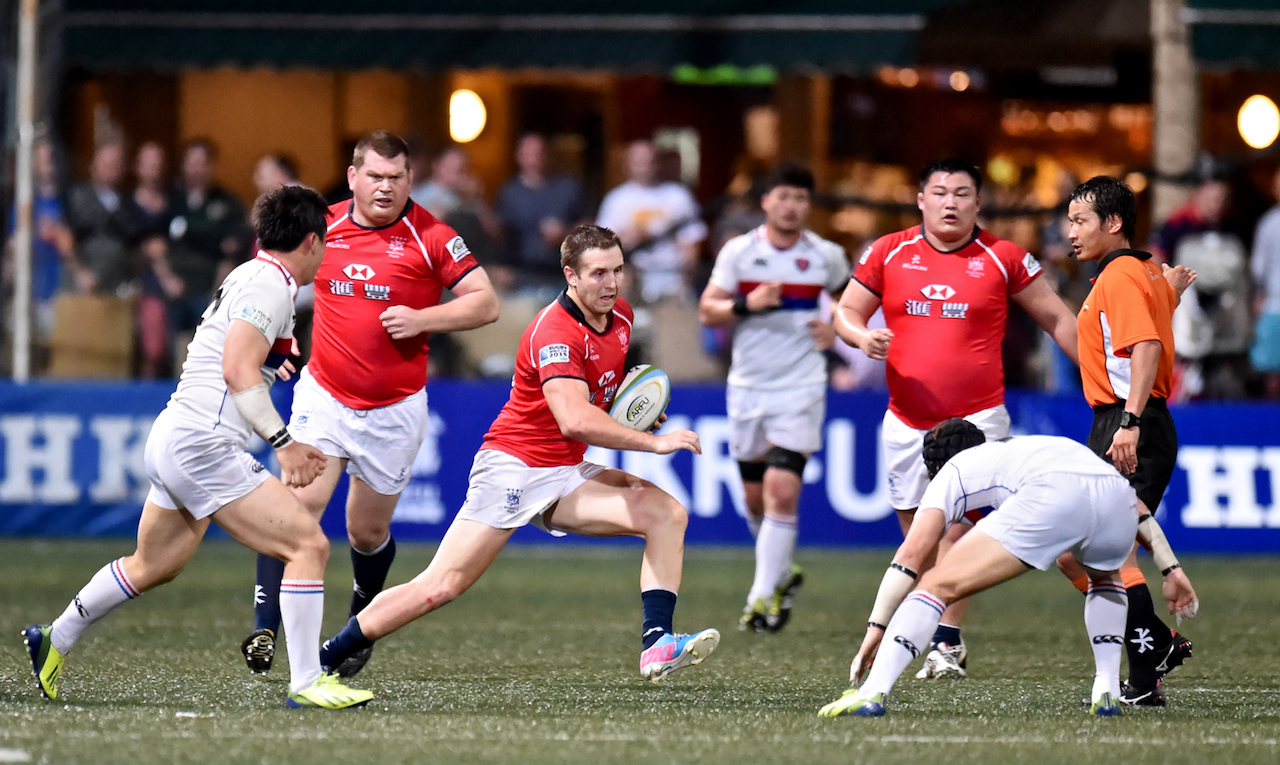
pixel 1047 740
pixel 14 755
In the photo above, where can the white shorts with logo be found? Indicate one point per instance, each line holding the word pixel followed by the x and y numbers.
pixel 789 419
pixel 379 444
pixel 505 493
pixel 1095 517
pixel 903 453
pixel 197 470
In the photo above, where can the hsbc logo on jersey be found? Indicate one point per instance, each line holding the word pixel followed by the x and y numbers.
pixel 937 291
pixel 358 272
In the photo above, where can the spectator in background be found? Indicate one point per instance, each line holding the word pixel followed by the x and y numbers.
pixel 1212 326
pixel 1265 353
pixel 659 224
pixel 148 206
pixel 442 192
pixel 537 210
pixel 208 231
pixel 52 246
pixel 104 231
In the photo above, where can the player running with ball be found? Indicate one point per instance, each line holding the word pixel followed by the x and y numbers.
pixel 530 469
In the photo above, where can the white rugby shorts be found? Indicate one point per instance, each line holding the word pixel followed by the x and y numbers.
pixel 903 453
pixel 1095 517
pixel 790 418
pixel 197 470
pixel 505 493
pixel 379 444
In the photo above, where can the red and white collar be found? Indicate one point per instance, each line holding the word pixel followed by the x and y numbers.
pixel 288 277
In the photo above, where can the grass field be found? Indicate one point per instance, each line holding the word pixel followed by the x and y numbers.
pixel 538 664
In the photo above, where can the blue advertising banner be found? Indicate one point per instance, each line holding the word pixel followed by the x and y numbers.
pixel 71 465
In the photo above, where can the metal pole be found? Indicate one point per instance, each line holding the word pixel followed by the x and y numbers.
pixel 1175 100
pixel 23 193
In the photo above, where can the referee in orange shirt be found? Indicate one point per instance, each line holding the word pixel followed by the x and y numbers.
pixel 1126 363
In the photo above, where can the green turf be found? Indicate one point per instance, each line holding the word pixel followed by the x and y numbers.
pixel 538 663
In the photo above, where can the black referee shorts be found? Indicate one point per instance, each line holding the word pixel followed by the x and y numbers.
pixel 1157 447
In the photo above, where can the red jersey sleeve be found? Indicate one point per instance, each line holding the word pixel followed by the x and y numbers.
pixel 870 270
pixel 1022 266
pixel 558 354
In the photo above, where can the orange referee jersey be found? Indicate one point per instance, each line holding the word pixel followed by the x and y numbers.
pixel 1130 302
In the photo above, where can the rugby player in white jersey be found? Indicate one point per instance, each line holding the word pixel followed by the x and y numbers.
pixel 768 282
pixel 199 470
pixel 1030 499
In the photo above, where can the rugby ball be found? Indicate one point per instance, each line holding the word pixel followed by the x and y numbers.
pixel 642 397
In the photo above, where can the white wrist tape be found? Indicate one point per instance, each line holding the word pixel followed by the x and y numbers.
pixel 894 588
pixel 1152 537
pixel 255 406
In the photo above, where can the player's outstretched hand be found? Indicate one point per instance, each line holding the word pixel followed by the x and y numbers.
pixel 300 464
pixel 677 440
pixel 765 296
pixel 823 334
pixel 866 655
pixel 1179 277
pixel 1179 595
pixel 877 344
pixel 287 369
pixel 401 321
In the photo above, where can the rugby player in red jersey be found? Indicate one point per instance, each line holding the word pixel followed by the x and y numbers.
pixel 530 469
pixel 361 399
pixel 945 287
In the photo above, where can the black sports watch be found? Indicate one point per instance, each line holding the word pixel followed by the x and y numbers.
pixel 1129 420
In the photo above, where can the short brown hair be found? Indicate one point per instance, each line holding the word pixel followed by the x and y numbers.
pixel 587 236
pixel 384 142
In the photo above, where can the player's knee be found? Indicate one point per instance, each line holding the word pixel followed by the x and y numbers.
pixel 311 547
pixel 367 536
pixel 661 511
pixel 785 459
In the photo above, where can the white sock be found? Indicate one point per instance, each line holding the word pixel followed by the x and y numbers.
pixel 107 589
pixel 906 638
pixel 775 545
pixel 1106 607
pixel 301 610
pixel 753 524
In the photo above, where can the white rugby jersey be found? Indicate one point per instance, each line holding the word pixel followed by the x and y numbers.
pixel 774 350
pixel 978 480
pixel 260 292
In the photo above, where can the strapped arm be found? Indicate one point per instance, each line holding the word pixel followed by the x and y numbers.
pixel 1152 538
pixel 255 406
pixel 894 588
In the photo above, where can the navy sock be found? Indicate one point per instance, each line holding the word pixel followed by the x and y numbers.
pixel 946 633
pixel 266 594
pixel 341 646
pixel 1146 637
pixel 370 573
pixel 659 609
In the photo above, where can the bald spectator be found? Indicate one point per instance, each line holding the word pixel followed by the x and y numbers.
pixel 101 225
pixel 659 223
pixel 538 208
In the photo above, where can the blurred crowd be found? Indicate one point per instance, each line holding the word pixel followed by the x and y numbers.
pixel 152 245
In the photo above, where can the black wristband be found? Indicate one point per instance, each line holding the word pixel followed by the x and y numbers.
pixel 878 625
pixel 740 306
pixel 280 440
pixel 1171 568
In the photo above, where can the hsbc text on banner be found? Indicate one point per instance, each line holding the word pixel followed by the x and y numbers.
pixel 71 465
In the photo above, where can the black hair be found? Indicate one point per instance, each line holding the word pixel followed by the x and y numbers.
pixel 947 439
pixel 951 165
pixel 788 174
pixel 283 218
pixel 1108 196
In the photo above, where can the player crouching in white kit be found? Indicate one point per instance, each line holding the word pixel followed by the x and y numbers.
pixel 530 469
pixel 1032 498
pixel 199 470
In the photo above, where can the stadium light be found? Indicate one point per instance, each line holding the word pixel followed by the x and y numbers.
pixel 1259 121
pixel 467 116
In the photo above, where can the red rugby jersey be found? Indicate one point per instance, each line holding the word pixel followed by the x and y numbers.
pixel 365 272
pixel 559 343
pixel 947 311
